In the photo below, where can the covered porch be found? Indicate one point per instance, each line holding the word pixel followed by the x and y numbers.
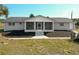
pixel 39 24
pixel 39 27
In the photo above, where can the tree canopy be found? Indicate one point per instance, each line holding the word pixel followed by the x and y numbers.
pixel 3 10
pixel 31 15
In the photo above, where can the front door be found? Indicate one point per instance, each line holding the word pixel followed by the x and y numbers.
pixel 39 28
pixel 39 25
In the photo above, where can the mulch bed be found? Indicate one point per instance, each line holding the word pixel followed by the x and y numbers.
pixel 59 34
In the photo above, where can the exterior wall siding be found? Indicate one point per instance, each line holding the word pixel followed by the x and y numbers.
pixel 17 26
pixel 71 26
pixel 67 26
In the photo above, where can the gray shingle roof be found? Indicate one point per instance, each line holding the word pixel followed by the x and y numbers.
pixel 16 19
pixel 22 19
pixel 62 20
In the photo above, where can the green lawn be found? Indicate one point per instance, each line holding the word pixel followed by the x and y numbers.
pixel 36 47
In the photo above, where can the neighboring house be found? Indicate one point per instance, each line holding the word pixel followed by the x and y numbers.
pixel 38 24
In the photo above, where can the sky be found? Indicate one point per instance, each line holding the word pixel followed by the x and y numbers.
pixel 51 10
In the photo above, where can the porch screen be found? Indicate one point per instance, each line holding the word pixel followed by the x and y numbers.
pixel 29 25
pixel 48 25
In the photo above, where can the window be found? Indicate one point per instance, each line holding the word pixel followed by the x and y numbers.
pixel 61 24
pixel 20 22
pixel 11 23
pixel 48 25
pixel 29 25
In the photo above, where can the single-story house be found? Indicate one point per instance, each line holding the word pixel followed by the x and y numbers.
pixel 38 24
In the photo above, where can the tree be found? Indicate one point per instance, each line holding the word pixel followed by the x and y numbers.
pixel 3 11
pixel 77 22
pixel 47 16
pixel 0 9
pixel 31 15
pixel 74 20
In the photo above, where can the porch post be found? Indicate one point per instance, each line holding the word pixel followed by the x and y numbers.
pixel 25 26
pixel 43 25
pixel 34 25
pixel 53 25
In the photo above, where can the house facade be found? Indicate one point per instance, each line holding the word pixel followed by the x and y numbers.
pixel 38 24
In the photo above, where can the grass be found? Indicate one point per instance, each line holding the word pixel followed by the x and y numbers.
pixel 1 25
pixel 77 30
pixel 37 47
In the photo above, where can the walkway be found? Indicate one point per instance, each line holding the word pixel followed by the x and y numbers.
pixel 41 37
